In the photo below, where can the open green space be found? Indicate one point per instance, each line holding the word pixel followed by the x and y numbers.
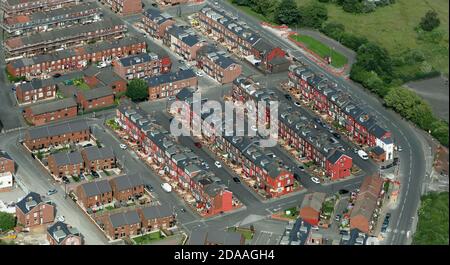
pixel 337 59
pixel 293 213
pixel 247 233
pixel 145 239
pixel 432 228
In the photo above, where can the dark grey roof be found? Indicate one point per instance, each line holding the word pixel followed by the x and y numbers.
pixel 159 211
pixel 185 93
pixel 96 153
pixel 63 158
pixel 36 84
pixel 377 131
pixel 58 129
pixel 263 46
pixel 53 106
pixel 156 15
pixel 203 236
pixel 128 181
pixel 378 150
pixel 127 218
pixel 138 59
pixel 96 188
pixel 60 231
pixel 181 34
pixel 108 76
pixel 97 93
pixel 31 200
pixel 333 158
pixel 220 58
pixel 170 77
pixel 4 154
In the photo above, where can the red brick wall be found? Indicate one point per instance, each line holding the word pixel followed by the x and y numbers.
pixel 45 118
pixel 153 92
pixel 24 97
pixel 43 211
pixel 95 103
pixel 74 137
pixel 7 165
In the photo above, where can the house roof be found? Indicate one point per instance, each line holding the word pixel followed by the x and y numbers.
pixel 378 150
pixel 221 58
pixel 204 236
pixel 96 93
pixel 138 59
pixel 157 16
pixel 64 158
pixel 108 77
pixel 36 84
pixel 314 200
pixel 126 218
pixel 366 201
pixel 335 156
pixel 96 188
pixel 53 106
pixel 60 231
pixel 96 153
pixel 170 77
pixel 5 155
pixel 59 129
pixel 31 200
pixel 158 211
pixel 125 182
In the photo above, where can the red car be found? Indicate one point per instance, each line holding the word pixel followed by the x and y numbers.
pixel 197 144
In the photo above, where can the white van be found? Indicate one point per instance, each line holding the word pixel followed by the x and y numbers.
pixel 363 154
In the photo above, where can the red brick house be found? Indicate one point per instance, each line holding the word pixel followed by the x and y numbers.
pixel 218 64
pixel 120 225
pixel 53 111
pixel 183 43
pixel 156 217
pixel 96 158
pixel 94 194
pixel 57 134
pixel 66 164
pixel 75 58
pixel 11 7
pixel 124 7
pixel 156 22
pixel 311 207
pixel 6 163
pixel 338 165
pixel 366 203
pixel 127 187
pixel 170 84
pixel 141 65
pixel 96 98
pixel 33 211
pixel 105 77
pixel 62 234
pixel 35 91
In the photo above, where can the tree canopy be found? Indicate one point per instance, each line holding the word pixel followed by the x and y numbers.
pixel 137 90
pixel 430 21
pixel 287 13
pixel 7 221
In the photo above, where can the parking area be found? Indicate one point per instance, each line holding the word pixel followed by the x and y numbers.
pixel 268 232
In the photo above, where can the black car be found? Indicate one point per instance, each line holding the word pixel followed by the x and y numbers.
pixel 287 96
pixel 342 192
pixel 65 179
pixel 343 232
pixel 237 180
pixel 56 75
pixel 149 187
pixel 182 210
pixel 337 135
pixel 95 174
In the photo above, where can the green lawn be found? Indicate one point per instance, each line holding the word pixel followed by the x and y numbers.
pixel 248 235
pixel 393 27
pixel 337 60
pixel 292 215
pixel 432 228
pixel 145 239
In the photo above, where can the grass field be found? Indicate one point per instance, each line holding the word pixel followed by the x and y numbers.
pixel 393 27
pixel 337 60
pixel 145 239
pixel 432 228
pixel 248 235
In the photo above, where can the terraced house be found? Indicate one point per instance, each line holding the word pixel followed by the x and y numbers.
pixel 183 42
pixel 227 29
pixel 142 65
pixel 54 40
pixel 96 98
pixel 94 194
pixel 58 134
pixel 14 7
pixel 166 85
pixel 48 20
pixel 52 111
pixel 66 164
pixel 156 217
pixel 35 91
pixel 96 158
pixel 75 58
pixel 156 22
pixel 218 64
pixel 126 187
pixel 179 162
pixel 124 7
pixel 120 225
pixel 340 107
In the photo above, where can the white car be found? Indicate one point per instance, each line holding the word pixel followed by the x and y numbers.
pixel 102 65
pixel 399 148
pixel 199 73
pixel 296 103
pixel 315 228
pixel 123 147
pixel 218 165
pixel 60 218
pixel 315 180
pixel 254 128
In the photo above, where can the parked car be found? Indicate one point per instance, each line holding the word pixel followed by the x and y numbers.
pixel 337 135
pixel 363 155
pixel 182 210
pixel 217 164
pixel 123 146
pixel 315 227
pixel 287 96
pixel 342 191
pixel 56 75
pixel 95 174
pixel 102 65
pixel 60 218
pixel 65 179
pixel 315 180
pixel 296 103
pixel 338 218
pixel 236 179
pixel 87 145
pixel 171 98
pixel 199 73
pixel 166 187
pixel 399 148
pixel 149 187
pixel 198 144
pixel 51 192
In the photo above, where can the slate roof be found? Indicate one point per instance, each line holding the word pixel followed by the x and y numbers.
pixel 170 77
pixel 335 156
pixel 96 153
pixel 60 231
pixel 36 84
pixel 59 129
pixel 366 200
pixel 127 218
pixel 64 158
pixel 31 200
pixel 314 200
pixel 53 106
pixel 4 154
pixel 157 16
pixel 130 181
pixel 108 77
pixel 96 188
pixel 96 93
pixel 138 59
pixel 221 58
pixel 154 212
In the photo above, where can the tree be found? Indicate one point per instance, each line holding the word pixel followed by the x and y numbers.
pixel 372 57
pixel 333 30
pixel 287 13
pixel 352 6
pixel 265 7
pixel 7 221
pixel 313 15
pixel 137 90
pixel 430 21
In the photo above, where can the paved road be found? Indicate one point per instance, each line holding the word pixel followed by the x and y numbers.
pixel 412 159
